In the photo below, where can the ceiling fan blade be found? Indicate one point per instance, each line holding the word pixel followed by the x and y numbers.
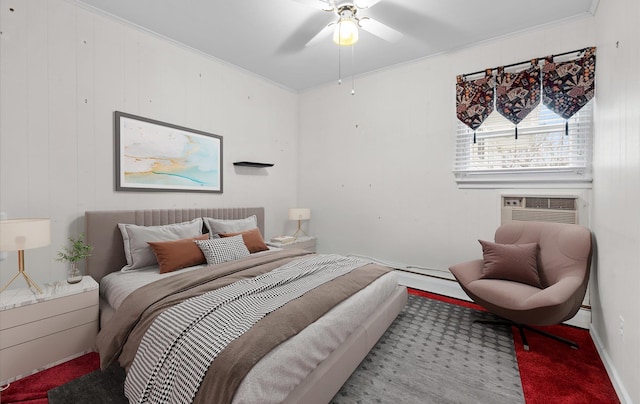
pixel 380 30
pixel 365 3
pixel 320 36
pixel 324 5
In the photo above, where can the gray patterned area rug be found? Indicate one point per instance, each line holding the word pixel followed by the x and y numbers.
pixel 432 353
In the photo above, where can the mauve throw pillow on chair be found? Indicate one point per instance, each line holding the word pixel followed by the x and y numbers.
pixel 512 262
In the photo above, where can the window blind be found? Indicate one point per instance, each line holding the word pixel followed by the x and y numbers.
pixel 542 145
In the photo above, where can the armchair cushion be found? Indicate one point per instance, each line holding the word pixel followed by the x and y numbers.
pixel 512 262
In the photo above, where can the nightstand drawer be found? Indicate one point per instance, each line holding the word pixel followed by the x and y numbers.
pixel 49 308
pixel 50 325
pixel 29 357
pixel 309 245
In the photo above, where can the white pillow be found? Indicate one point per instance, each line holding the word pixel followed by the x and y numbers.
pixel 139 254
pixel 216 226
pixel 219 250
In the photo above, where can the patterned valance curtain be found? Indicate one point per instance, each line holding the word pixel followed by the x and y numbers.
pixel 474 100
pixel 566 87
pixel 517 94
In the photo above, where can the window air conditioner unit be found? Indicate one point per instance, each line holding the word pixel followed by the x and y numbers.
pixel 539 209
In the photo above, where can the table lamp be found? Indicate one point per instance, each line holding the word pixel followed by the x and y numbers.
pixel 299 214
pixel 23 234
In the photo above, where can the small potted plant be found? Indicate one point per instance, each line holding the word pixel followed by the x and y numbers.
pixel 73 254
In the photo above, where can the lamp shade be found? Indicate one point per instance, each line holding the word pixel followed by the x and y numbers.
pixel 23 234
pixel 299 213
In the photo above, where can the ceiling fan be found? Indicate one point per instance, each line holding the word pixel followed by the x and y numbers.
pixel 345 28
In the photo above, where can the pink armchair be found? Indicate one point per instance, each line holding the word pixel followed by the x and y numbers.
pixel 563 263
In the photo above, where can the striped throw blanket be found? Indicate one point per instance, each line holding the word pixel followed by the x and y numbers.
pixel 179 347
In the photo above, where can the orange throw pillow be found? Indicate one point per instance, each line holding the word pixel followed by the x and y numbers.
pixel 178 254
pixel 252 239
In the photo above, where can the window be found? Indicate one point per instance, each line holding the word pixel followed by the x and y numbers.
pixel 543 152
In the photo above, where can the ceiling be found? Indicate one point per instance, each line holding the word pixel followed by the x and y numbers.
pixel 268 37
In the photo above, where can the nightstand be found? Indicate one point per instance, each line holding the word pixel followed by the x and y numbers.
pixel 38 331
pixel 304 243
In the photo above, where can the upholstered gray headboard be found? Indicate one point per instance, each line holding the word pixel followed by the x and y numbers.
pixel 101 230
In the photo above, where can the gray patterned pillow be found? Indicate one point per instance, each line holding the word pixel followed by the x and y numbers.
pixel 219 250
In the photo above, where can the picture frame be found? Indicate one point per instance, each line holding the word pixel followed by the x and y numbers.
pixel 157 156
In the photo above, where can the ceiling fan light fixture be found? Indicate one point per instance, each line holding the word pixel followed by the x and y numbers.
pixel 346 32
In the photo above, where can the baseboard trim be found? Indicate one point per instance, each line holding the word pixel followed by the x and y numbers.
pixel 451 288
pixel 431 284
pixel 621 391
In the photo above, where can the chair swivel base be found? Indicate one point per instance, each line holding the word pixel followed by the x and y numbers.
pixel 521 328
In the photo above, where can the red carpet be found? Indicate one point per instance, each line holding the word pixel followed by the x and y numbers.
pixel 578 375
pixel 33 389
pixel 551 372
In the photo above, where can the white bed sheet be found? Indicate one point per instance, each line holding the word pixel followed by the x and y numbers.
pixel 116 286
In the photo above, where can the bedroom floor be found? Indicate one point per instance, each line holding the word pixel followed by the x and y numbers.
pixel 534 367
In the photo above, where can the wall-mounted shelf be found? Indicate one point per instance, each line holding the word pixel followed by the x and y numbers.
pixel 252 164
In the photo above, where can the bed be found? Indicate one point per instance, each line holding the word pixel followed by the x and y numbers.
pixel 289 372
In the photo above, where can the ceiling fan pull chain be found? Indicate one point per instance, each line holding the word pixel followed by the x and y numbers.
pixel 339 63
pixel 353 79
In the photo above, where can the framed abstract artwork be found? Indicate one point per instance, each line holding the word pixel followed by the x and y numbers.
pixel 158 156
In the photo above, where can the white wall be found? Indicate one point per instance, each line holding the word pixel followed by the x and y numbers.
pixel 65 69
pixel 616 191
pixel 375 168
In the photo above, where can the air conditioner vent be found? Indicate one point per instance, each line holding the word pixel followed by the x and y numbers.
pixel 540 209
pixel 550 203
pixel 562 203
pixel 546 215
